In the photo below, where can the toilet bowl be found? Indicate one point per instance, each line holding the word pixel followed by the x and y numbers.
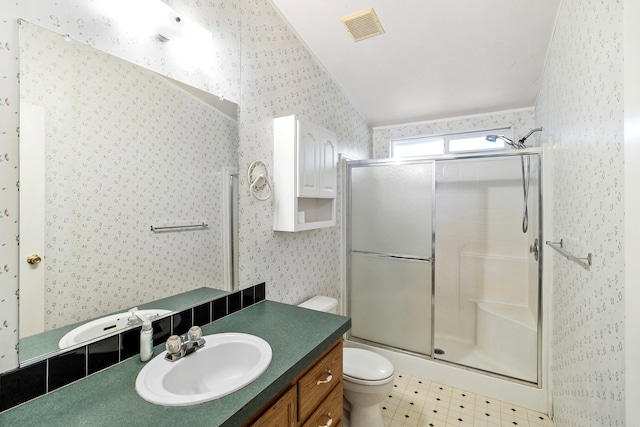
pixel 367 376
pixel 367 381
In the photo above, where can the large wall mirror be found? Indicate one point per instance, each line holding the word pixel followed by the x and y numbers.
pixel 115 149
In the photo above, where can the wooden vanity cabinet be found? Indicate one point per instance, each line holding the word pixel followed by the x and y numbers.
pixel 282 413
pixel 312 399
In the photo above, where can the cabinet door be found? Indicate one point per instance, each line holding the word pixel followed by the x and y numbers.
pixel 280 414
pixel 327 166
pixel 308 143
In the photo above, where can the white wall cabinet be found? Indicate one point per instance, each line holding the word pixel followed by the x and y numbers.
pixel 305 171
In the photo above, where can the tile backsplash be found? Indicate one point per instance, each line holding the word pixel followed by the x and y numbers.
pixel 41 377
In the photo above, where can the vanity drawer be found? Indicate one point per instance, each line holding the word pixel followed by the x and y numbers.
pixel 329 412
pixel 315 385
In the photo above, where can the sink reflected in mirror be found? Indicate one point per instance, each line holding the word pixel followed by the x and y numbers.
pixel 46 344
pixel 107 325
pixel 227 363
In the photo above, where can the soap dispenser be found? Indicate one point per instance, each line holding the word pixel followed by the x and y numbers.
pixel 146 341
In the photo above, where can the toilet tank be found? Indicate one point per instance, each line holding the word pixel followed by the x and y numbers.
pixel 321 303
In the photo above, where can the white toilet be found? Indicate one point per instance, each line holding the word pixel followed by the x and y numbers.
pixel 367 376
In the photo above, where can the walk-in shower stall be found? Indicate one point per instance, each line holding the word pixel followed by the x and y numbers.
pixel 440 264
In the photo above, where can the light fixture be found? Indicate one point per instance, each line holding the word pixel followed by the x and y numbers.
pixel 152 18
pixel 168 30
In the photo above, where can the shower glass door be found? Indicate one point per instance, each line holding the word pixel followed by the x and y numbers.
pixel 442 259
pixel 390 254
pixel 487 280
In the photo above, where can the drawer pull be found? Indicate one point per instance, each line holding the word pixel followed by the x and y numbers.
pixel 329 421
pixel 326 380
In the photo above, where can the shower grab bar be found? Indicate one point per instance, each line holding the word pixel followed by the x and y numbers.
pixel 390 256
pixel 179 227
pixel 559 246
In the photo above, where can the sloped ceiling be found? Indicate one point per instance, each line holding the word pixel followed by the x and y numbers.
pixel 436 59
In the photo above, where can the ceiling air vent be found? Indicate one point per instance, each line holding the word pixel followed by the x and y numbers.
pixel 362 25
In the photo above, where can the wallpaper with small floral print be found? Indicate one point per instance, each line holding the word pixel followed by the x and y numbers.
pixel 280 77
pixel 581 109
pixel 9 181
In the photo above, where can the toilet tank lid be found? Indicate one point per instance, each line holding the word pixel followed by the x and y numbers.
pixel 320 303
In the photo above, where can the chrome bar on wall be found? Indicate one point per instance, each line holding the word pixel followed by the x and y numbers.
pixel 180 227
pixel 559 247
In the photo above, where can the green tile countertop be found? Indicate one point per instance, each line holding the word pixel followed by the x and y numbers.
pixel 297 337
pixel 47 342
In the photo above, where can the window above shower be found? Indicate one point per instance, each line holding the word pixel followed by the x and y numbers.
pixel 434 145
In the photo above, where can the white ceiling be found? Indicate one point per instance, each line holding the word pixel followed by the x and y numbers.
pixel 437 58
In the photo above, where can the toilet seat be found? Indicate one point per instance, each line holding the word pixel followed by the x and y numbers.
pixel 365 367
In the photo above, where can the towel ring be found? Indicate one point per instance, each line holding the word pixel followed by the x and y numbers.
pixel 258 178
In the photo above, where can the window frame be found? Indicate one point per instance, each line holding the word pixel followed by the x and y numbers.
pixel 507 131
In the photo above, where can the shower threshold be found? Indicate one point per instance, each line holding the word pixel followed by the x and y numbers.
pixel 473 356
pixel 478 381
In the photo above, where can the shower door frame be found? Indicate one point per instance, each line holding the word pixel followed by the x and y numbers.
pixel 533 151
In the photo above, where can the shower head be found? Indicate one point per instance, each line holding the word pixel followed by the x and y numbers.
pixel 519 144
pixel 494 138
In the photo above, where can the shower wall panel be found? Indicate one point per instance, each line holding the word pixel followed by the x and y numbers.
pixel 478 212
pixel 484 274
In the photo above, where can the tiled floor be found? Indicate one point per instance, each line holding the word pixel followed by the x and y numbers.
pixel 416 402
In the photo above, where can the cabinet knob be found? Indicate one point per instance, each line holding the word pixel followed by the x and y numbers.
pixel 34 259
pixel 326 380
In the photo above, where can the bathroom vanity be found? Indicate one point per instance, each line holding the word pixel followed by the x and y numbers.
pixel 305 344
pixel 316 393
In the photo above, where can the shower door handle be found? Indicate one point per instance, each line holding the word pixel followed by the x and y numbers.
pixel 535 249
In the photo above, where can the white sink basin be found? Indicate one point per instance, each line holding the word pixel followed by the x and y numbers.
pixel 102 326
pixel 226 363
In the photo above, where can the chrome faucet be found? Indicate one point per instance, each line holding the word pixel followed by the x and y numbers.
pixel 182 346
pixel 134 319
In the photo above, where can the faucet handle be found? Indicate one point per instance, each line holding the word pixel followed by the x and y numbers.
pixel 173 344
pixel 195 333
